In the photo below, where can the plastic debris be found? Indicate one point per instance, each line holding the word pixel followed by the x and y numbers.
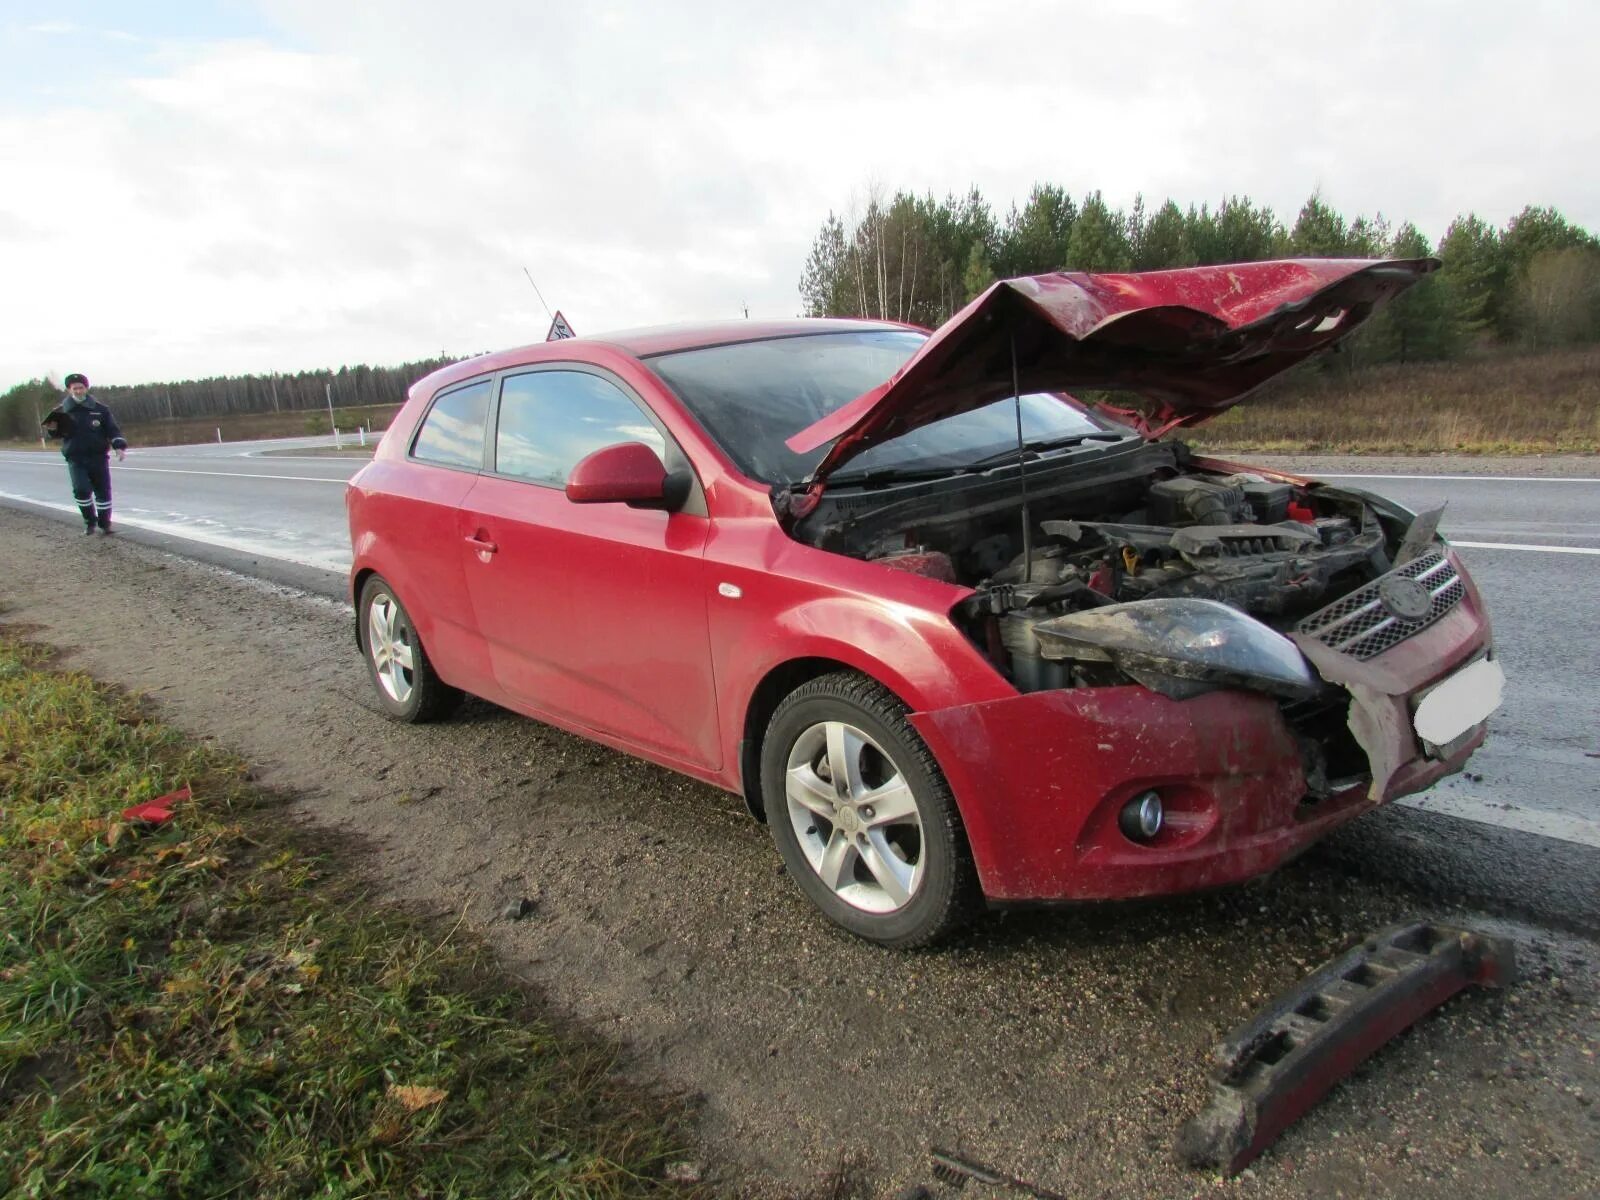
pixel 159 810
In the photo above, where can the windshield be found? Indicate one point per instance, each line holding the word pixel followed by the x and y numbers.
pixel 751 397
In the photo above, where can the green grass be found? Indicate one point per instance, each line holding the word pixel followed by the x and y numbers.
pixel 213 1008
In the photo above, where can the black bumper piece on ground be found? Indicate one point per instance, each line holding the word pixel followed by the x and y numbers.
pixel 1284 1059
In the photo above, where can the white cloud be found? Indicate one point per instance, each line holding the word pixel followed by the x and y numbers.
pixel 369 185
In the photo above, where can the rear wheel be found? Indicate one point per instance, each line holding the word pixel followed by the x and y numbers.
pixel 408 687
pixel 862 815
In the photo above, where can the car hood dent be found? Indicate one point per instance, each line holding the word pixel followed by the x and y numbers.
pixel 1193 342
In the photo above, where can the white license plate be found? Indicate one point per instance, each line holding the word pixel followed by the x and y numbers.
pixel 1460 702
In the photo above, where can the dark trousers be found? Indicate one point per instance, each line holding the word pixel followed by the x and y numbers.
pixel 91 488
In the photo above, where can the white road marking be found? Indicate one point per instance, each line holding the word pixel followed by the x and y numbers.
pixel 1463 478
pixel 1524 546
pixel 325 459
pixel 122 466
pixel 231 474
pixel 1543 822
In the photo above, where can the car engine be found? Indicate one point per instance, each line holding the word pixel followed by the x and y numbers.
pixel 1263 547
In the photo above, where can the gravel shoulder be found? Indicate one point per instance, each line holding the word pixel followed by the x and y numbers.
pixel 1064 1046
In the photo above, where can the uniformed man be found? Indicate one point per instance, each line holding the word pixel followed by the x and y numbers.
pixel 88 433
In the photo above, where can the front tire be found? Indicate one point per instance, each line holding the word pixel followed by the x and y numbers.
pixel 862 816
pixel 407 686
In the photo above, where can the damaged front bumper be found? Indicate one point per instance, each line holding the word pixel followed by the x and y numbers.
pixel 1041 778
pixel 1389 664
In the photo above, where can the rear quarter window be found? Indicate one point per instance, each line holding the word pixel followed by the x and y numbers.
pixel 452 434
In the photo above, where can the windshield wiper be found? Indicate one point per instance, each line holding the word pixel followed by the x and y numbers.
pixel 893 475
pixel 1012 453
pixel 1009 455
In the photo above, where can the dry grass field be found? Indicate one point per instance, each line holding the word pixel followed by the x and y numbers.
pixel 251 426
pixel 247 427
pixel 1532 404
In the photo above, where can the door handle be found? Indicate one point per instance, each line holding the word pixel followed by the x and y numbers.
pixel 482 545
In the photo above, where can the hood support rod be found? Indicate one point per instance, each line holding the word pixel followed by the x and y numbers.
pixel 1022 468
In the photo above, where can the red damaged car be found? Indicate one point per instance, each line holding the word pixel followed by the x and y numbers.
pixel 956 636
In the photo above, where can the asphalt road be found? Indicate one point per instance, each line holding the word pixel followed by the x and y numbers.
pixel 1530 537
pixel 281 506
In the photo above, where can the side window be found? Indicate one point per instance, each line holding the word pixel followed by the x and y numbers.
pixel 549 420
pixel 452 432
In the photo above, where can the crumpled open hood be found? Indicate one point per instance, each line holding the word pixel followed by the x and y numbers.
pixel 1192 341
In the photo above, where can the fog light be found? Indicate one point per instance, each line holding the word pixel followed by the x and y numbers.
pixel 1140 819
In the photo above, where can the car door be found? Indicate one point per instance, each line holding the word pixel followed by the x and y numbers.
pixel 418 513
pixel 594 614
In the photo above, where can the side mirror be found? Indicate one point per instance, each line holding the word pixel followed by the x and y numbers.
pixel 628 473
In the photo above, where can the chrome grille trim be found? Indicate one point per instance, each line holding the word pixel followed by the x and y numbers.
pixel 1360 626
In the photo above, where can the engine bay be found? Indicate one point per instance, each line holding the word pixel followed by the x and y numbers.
pixel 1151 524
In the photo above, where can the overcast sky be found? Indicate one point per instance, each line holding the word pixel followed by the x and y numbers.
pixel 252 185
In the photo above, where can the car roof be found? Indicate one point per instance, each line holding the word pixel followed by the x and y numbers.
pixel 665 339
pixel 642 343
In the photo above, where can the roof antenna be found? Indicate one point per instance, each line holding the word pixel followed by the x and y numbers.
pixel 538 293
pixel 1022 469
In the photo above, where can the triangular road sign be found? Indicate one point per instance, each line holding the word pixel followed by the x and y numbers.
pixel 559 328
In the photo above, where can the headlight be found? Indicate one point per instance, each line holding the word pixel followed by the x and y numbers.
pixel 1181 647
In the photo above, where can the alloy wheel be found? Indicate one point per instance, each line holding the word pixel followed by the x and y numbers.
pixel 855 816
pixel 392 646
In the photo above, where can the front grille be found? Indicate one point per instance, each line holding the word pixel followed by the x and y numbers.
pixel 1359 625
